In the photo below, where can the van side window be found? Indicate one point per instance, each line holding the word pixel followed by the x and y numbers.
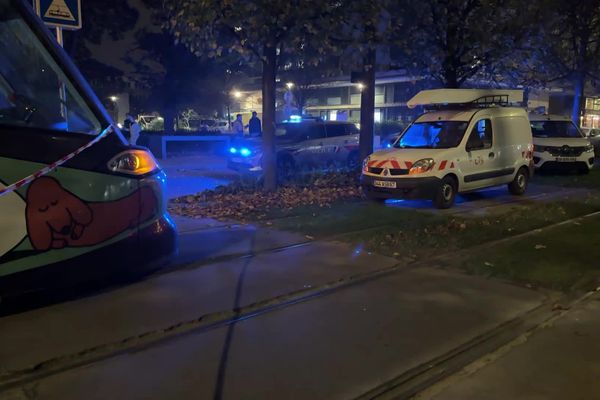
pixel 481 135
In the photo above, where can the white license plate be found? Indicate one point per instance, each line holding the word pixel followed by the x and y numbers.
pixel 566 159
pixel 385 184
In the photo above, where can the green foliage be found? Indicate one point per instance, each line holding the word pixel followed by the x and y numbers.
pixel 455 40
pixel 215 28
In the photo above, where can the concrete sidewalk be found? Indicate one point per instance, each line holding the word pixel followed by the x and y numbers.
pixel 558 361
pixel 333 347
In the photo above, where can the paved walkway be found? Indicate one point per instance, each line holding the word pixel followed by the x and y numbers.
pixel 299 343
pixel 193 174
pixel 558 361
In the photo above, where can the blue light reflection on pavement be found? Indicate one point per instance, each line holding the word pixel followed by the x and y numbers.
pixel 193 174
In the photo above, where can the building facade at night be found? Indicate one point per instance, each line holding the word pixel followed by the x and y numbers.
pixel 338 99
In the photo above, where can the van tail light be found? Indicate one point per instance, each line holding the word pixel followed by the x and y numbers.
pixel 133 162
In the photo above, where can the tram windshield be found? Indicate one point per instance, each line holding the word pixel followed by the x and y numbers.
pixel 34 91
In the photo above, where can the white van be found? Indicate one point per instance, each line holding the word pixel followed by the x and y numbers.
pixel 468 139
pixel 559 144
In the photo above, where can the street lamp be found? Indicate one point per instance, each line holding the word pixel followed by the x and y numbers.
pixel 113 99
pixel 237 94
pixel 360 86
pixel 289 85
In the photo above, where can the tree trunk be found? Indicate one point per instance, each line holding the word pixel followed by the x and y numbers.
pixel 450 78
pixel 269 161
pixel 367 107
pixel 169 119
pixel 578 99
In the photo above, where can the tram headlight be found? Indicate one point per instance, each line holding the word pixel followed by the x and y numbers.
pixel 134 162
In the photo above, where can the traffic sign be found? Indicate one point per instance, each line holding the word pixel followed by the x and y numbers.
pixel 60 13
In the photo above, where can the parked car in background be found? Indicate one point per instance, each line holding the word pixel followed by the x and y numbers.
pixel 593 134
pixel 303 144
pixel 213 125
pixel 468 140
pixel 387 141
pixel 559 144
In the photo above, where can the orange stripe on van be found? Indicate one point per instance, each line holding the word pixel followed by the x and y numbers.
pixel 408 164
pixel 443 165
pixel 380 164
pixel 395 164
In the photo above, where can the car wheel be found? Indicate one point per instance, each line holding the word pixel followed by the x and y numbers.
pixel 285 168
pixel 446 193
pixel 519 185
pixel 353 161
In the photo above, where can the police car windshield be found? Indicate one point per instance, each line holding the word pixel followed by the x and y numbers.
pixel 34 91
pixel 432 135
pixel 554 129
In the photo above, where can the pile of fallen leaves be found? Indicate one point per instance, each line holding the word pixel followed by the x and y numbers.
pixel 242 201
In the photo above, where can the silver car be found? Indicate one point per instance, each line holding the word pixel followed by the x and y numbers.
pixel 301 145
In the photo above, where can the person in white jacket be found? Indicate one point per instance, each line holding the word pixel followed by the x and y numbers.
pixel 134 130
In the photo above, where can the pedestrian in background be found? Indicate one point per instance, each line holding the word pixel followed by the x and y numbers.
pixel 134 129
pixel 126 127
pixel 238 125
pixel 254 126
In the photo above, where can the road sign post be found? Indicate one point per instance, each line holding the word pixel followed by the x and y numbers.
pixel 64 14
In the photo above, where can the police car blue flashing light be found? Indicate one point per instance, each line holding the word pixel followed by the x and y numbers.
pixel 232 150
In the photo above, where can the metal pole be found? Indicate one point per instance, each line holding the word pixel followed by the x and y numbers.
pixel 62 89
pixel 59 36
pixel 228 117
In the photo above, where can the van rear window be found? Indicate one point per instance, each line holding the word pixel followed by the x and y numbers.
pixel 34 91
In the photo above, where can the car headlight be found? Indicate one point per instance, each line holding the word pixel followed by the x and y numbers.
pixel 365 164
pixel 589 147
pixel 421 166
pixel 539 149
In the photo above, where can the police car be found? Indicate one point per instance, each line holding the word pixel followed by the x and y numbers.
pixel 467 140
pixel 300 144
pixel 559 144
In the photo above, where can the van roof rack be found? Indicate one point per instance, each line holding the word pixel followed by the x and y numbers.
pixel 466 98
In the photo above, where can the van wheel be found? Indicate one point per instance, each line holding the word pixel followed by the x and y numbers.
pixel 446 193
pixel 519 185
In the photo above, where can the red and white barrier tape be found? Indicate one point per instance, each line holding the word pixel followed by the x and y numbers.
pixel 47 169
